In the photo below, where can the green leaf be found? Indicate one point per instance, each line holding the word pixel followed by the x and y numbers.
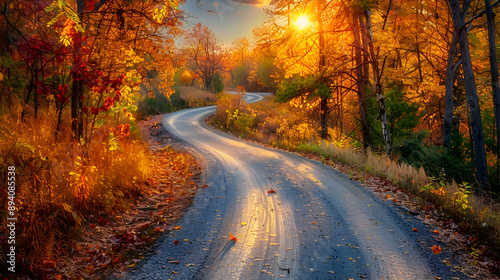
pixel 55 19
pixel 51 7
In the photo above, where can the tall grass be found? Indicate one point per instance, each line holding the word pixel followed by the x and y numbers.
pixel 196 97
pixel 59 184
pixel 475 211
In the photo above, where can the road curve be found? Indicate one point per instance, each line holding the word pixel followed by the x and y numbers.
pixel 317 225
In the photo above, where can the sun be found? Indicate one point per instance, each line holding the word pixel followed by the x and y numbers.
pixel 302 22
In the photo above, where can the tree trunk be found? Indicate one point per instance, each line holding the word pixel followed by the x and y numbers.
pixel 322 64
pixel 471 94
pixel 450 79
pixel 377 78
pixel 360 82
pixel 77 89
pixel 495 88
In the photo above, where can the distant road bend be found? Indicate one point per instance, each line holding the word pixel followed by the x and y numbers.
pixel 318 224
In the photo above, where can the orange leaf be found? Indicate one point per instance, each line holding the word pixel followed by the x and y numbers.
pixel 415 229
pixel 58 277
pixel 435 231
pixel 205 186
pixel 436 249
pixel 271 191
pixel 176 242
pixel 233 238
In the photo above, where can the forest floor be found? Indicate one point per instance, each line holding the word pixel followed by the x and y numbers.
pixel 117 240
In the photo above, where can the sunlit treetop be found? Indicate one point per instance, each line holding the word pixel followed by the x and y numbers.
pixel 302 22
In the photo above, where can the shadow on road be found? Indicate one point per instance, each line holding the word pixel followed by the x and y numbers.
pixel 226 249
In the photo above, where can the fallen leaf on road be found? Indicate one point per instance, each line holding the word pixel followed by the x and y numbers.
pixel 176 242
pixel 415 229
pixel 233 238
pixel 177 227
pixel 271 191
pixel 436 249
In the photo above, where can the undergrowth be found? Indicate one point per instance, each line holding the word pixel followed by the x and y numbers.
pixel 59 183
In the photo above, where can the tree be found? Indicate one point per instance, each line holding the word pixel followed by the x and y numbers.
pixel 362 80
pixel 204 52
pixel 458 15
pixel 117 39
pixel 495 87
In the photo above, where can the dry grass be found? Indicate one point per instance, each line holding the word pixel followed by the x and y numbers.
pixel 476 212
pixel 196 97
pixel 60 183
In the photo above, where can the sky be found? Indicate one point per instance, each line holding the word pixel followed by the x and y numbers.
pixel 228 19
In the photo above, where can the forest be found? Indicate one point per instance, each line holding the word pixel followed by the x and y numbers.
pixel 414 84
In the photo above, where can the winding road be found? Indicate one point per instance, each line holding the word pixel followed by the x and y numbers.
pixel 317 225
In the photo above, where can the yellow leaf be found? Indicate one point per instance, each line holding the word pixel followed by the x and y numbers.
pixel 131 265
pixel 243 223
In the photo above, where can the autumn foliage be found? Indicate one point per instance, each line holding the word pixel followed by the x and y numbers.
pixel 71 77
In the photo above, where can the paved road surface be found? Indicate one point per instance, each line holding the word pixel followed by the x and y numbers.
pixel 318 224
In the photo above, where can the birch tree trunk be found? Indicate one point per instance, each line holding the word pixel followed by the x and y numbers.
pixel 377 79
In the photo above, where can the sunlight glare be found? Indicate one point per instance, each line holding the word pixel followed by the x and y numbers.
pixel 302 22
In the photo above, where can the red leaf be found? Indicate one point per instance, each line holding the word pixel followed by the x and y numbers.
pixel 271 191
pixel 415 229
pixel 176 242
pixel 233 238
